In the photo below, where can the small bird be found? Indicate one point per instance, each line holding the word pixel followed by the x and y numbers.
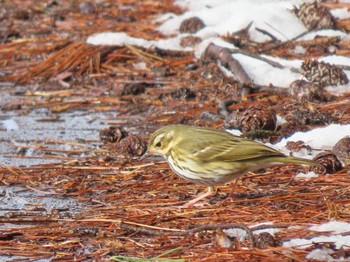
pixel 213 157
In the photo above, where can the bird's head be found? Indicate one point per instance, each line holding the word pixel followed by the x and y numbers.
pixel 161 141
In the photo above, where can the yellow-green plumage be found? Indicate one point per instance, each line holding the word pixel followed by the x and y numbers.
pixel 212 157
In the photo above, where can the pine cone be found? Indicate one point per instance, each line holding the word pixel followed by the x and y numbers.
pixel 342 150
pixel 258 117
pixel 191 25
pixel 315 16
pixel 131 145
pixel 304 116
pixel 329 163
pixel 134 89
pixel 112 134
pixel 323 74
pixel 306 91
pixel 265 239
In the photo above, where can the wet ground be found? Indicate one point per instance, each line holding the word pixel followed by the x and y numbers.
pixel 41 137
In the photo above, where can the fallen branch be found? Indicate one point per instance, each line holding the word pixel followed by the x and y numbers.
pixel 224 56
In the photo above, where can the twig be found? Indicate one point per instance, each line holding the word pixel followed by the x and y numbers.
pixel 41 192
pixel 175 232
pixel 259 57
pixel 261 227
pixel 267 33
pixel 264 50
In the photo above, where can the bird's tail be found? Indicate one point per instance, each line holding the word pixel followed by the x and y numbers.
pixel 297 161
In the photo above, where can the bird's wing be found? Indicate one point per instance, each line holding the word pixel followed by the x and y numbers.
pixel 235 149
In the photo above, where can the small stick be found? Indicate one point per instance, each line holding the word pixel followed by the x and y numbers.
pixel 175 232
pixel 267 33
pixel 259 57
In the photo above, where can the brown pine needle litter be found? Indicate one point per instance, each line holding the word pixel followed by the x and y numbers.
pixel 77 57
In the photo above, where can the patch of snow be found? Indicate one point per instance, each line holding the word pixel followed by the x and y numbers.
pixel 263 73
pixel 235 132
pixel 280 120
pixel 318 138
pixel 323 32
pixel 301 243
pixel 118 39
pixel 321 254
pixel 341 13
pixel 336 59
pixel 238 233
pixel 307 175
pixel 332 226
pixel 299 49
pixel 228 16
pixel 324 254
pixel 271 231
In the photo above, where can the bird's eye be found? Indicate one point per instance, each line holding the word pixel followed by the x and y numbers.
pixel 158 144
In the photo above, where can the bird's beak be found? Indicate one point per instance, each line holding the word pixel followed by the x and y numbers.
pixel 145 155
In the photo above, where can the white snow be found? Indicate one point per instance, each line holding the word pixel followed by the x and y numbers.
pixel 238 233
pixel 321 254
pixel 306 175
pixel 242 234
pixel 341 13
pixel 318 138
pixel 332 226
pixel 338 241
pixel 332 229
pixel 323 32
pixel 271 231
pixel 118 39
pixel 235 132
pixel 228 16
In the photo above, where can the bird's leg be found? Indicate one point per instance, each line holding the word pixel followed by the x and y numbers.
pixel 210 192
pixel 231 194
